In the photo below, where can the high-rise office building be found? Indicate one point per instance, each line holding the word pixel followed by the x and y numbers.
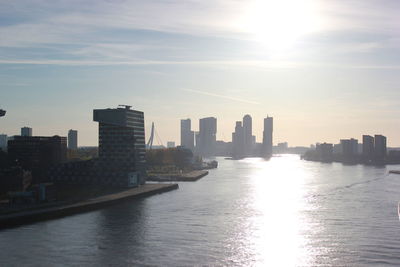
pixel 207 136
pixel 122 141
pixel 73 139
pixel 268 137
pixel 3 142
pixel 238 141
pixel 187 135
pixel 368 146
pixel 380 147
pixel 26 131
pixel 247 134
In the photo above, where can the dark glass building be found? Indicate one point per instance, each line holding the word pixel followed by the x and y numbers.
pixel 122 140
pixel 37 153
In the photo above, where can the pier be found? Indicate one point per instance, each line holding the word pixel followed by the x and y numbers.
pixel 42 214
pixel 184 177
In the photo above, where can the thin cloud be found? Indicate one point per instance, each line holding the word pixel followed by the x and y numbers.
pixel 222 96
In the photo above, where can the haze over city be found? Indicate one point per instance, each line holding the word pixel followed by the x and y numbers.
pixel 325 70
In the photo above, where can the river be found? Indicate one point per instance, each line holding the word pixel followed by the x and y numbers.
pixel 281 212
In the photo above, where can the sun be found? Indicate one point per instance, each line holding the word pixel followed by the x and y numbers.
pixel 278 24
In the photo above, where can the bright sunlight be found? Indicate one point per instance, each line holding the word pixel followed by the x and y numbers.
pixel 279 24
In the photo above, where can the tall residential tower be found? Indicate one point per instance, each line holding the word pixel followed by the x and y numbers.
pixel 207 136
pixel 187 135
pixel 267 137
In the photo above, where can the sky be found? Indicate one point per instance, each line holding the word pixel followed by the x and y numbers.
pixel 325 70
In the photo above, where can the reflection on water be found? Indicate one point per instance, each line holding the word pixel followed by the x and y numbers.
pixel 281 212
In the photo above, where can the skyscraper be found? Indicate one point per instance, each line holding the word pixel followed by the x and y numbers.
pixel 267 137
pixel 380 147
pixel 368 146
pixel 26 131
pixel 207 136
pixel 238 141
pixel 3 141
pixel 72 139
pixel 121 140
pixel 187 135
pixel 247 135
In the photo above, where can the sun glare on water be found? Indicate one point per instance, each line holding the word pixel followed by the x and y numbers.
pixel 278 24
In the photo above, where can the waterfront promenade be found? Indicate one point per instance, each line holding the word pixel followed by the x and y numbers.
pixel 41 214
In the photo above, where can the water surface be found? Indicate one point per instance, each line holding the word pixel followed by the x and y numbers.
pixel 282 212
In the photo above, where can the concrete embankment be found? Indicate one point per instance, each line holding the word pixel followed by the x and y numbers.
pixel 24 217
pixel 185 177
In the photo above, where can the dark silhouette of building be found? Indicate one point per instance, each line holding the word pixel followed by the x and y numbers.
pixel 248 135
pixel 122 141
pixel 73 139
pixel 267 137
pixel 368 147
pixel 238 141
pixel 380 147
pixel 26 131
pixel 325 152
pixel 3 142
pixel 207 136
pixel 37 153
pixel 187 135
pixel 349 147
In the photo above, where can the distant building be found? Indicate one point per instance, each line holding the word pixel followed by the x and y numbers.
pixel 238 141
pixel 26 131
pixel 122 147
pixel 325 151
pixel 368 147
pixel 187 135
pixel 267 137
pixel 170 144
pixel 207 136
pixel 3 142
pixel 247 135
pixel 337 149
pixel 223 149
pixel 37 153
pixel 197 139
pixel 282 147
pixel 349 147
pixel 380 147
pixel 73 139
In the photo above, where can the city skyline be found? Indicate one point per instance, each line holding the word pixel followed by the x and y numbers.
pixel 329 73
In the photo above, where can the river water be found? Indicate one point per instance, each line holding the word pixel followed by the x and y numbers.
pixel 282 212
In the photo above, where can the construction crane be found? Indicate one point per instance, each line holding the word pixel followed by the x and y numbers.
pixel 2 112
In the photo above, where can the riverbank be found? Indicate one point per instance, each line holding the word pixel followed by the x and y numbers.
pixel 184 177
pixel 57 211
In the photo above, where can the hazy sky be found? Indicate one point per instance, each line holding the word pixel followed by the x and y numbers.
pixel 324 70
